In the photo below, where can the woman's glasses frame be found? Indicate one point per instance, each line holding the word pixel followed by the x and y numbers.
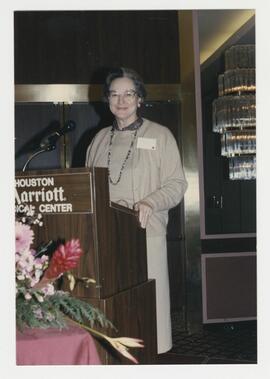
pixel 128 96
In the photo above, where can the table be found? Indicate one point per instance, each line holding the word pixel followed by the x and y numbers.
pixel 72 346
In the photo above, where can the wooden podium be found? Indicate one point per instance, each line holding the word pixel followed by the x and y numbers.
pixel 75 204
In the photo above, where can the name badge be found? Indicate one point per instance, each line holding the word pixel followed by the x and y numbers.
pixel 146 143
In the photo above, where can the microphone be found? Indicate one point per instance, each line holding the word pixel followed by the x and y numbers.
pixel 50 140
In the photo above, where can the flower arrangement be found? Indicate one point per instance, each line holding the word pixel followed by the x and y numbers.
pixel 39 304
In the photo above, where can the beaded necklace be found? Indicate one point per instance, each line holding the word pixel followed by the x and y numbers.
pixel 125 160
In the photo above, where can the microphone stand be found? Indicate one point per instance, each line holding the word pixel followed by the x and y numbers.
pixel 48 147
pixel 51 141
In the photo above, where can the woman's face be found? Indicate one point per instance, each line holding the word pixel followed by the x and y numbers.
pixel 123 100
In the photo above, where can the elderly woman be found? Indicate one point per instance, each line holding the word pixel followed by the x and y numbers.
pixel 146 174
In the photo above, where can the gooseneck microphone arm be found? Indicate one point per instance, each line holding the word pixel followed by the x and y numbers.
pixel 43 150
pixel 49 143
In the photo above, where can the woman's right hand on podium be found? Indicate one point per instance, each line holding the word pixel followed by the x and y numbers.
pixel 145 211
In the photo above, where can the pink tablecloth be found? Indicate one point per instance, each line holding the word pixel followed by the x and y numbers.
pixel 72 346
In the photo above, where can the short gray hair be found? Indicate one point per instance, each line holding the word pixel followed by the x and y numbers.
pixel 123 72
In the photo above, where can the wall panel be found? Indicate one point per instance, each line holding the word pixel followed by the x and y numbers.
pixel 80 46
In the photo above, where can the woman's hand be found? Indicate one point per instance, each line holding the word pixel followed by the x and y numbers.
pixel 145 211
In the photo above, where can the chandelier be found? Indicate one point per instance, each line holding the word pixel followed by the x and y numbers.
pixel 234 112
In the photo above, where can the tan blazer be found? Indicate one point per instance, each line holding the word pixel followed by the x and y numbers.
pixel 158 176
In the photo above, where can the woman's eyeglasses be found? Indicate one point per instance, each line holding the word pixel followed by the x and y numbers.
pixel 127 96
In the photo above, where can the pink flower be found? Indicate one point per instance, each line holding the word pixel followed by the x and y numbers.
pixel 24 236
pixel 64 258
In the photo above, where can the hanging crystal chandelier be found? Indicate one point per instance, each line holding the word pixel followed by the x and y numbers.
pixel 234 112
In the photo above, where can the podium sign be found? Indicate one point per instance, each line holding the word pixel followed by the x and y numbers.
pixel 54 192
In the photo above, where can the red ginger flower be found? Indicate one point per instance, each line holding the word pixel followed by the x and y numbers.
pixel 64 258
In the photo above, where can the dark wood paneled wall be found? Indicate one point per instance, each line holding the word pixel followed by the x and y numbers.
pixel 80 46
